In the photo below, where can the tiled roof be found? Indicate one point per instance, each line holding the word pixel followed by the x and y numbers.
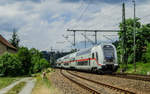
pixel 6 43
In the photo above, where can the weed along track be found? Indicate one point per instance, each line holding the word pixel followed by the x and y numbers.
pixel 94 86
pixel 79 84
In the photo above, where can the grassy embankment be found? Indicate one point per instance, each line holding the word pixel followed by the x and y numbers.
pixel 44 85
pixel 17 88
pixel 5 81
pixel 141 68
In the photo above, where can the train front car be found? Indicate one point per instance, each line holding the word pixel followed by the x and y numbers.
pixel 109 58
pixel 104 58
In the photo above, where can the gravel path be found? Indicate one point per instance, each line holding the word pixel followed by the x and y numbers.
pixel 6 89
pixel 28 87
pixel 66 86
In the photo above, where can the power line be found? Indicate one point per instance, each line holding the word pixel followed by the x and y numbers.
pixel 84 11
pixel 82 14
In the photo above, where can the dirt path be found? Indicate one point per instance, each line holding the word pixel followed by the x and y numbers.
pixel 28 87
pixel 6 89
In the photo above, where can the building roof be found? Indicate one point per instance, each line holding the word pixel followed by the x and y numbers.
pixel 6 43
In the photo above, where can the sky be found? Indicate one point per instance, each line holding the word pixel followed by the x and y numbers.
pixel 43 23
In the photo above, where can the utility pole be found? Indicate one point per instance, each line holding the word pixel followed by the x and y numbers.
pixel 74 34
pixel 124 60
pixel 95 37
pixel 134 36
pixel 85 39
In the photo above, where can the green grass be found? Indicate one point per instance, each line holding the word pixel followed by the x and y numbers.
pixel 141 68
pixel 5 81
pixel 17 88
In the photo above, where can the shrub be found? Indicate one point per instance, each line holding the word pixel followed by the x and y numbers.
pixel 10 65
pixel 40 65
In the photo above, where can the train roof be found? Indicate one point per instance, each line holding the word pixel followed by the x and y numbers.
pixel 82 52
pixel 85 51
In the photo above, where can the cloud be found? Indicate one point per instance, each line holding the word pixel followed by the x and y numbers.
pixel 101 1
pixel 93 1
pixel 41 23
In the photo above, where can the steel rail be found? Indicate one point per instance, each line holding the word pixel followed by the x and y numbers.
pixel 132 76
pixel 81 85
pixel 105 85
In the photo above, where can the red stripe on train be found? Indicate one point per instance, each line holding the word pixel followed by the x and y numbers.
pixel 84 60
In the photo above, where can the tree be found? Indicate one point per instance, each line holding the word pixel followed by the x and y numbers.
pixel 40 65
pixel 10 65
pixel 146 55
pixel 35 58
pixel 142 37
pixel 15 39
pixel 25 57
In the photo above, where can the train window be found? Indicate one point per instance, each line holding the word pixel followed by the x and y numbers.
pixel 96 56
pixel 93 55
pixel 82 63
pixel 66 64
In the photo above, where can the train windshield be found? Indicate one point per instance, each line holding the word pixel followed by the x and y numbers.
pixel 108 52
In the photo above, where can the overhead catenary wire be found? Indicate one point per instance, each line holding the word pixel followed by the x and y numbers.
pixel 82 13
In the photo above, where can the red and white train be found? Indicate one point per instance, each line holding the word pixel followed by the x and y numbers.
pixel 101 58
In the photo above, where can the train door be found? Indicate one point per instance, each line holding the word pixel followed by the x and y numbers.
pixel 95 58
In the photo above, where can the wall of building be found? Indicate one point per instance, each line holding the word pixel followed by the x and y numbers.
pixel 3 48
pixel 11 50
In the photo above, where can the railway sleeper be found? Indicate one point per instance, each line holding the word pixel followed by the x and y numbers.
pixel 105 85
pixel 79 84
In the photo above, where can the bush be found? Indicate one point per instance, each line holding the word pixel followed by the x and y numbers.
pixel 40 65
pixel 10 65
pixel 25 62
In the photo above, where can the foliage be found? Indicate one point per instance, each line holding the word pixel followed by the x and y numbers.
pixel 25 62
pixel 146 56
pixel 10 65
pixel 39 65
pixel 142 37
pixel 32 60
pixel 25 57
pixel 141 68
pixel 15 39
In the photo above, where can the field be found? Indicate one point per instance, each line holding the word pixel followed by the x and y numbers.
pixel 5 81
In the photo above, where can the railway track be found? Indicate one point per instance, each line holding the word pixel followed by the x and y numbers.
pixel 128 76
pixel 122 91
pixel 132 76
pixel 80 85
